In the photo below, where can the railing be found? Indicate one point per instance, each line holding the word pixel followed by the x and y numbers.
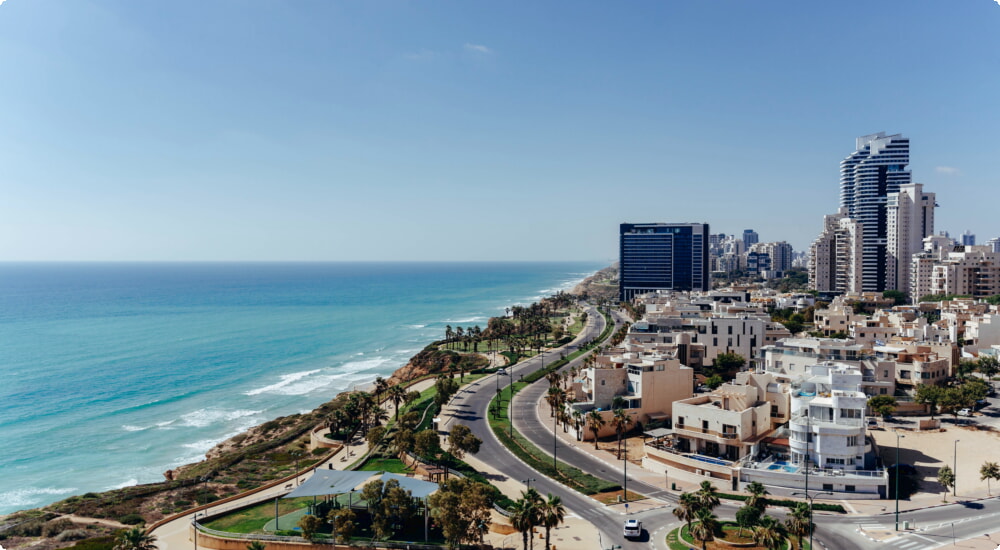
pixel 280 538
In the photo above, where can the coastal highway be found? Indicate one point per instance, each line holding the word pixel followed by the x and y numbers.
pixel 475 401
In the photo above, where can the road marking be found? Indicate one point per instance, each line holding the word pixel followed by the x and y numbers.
pixel 908 544
pixel 925 538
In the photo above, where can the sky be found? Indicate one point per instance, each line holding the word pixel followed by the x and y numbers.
pixel 467 130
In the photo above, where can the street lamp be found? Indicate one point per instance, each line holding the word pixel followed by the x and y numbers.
pixel 528 481
pixel 954 470
pixel 194 525
pixel 810 499
pixel 898 435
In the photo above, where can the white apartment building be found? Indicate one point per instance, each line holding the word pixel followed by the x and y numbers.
pixel 967 270
pixel 909 218
pixel 835 256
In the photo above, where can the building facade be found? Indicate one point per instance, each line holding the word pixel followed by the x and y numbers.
pixel 909 219
pixel 662 256
pixel 867 176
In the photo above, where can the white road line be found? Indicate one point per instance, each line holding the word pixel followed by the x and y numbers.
pixel 925 538
pixel 908 543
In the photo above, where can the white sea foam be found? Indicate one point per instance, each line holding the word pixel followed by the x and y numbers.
pixel 130 428
pixel 129 483
pixel 468 320
pixel 206 417
pixel 286 380
pixel 416 326
pixel 321 379
pixel 32 496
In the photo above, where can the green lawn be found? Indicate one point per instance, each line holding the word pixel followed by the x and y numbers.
pixel 391 465
pixel 254 518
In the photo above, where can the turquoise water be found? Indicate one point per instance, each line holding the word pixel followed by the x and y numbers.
pixel 113 373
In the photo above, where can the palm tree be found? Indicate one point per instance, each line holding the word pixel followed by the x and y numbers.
pixel 552 514
pixel 595 422
pixel 397 394
pixel 380 386
pixel 989 471
pixel 687 507
pixel 706 528
pixel 620 421
pixel 256 545
pixel 800 522
pixel 768 533
pixel 448 334
pixel 135 538
pixel 757 493
pixel 520 514
pixel 577 422
pixel 708 495
pixel 534 508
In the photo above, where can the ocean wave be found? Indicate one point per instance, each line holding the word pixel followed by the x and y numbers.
pixel 122 485
pixel 30 497
pixel 469 320
pixel 130 428
pixel 312 381
pixel 206 417
pixel 286 380
pixel 415 326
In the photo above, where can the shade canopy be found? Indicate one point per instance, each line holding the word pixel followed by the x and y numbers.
pixel 335 482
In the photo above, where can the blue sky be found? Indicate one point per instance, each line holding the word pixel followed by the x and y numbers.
pixel 324 130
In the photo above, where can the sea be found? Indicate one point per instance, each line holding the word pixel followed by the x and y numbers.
pixel 113 373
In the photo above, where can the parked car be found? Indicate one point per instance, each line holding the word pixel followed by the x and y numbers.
pixel 633 529
pixel 872 423
pixel 965 412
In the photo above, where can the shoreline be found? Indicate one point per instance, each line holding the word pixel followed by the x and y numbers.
pixel 225 444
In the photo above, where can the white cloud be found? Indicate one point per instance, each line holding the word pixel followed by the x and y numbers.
pixel 997 1
pixel 948 170
pixel 1 3
pixel 479 48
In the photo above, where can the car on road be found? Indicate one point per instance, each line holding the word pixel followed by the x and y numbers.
pixel 633 529
pixel 501 372
pixel 965 412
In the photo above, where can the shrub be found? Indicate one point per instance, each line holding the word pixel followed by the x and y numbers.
pixel 55 527
pixel 96 543
pixel 72 534
pixel 132 519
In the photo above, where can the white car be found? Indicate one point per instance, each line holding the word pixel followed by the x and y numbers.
pixel 965 412
pixel 633 528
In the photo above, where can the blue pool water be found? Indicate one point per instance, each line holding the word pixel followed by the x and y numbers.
pixel 709 459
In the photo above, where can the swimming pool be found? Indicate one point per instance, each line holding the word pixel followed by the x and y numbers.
pixel 782 465
pixel 709 459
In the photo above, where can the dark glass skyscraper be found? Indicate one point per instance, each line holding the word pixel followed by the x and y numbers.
pixel 876 168
pixel 662 256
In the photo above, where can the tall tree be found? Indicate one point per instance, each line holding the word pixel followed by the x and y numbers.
pixel 552 513
pixel 708 495
pixel 946 477
pixel 988 472
pixel 799 523
pixel 706 528
pixel 747 517
pixel 620 421
pixel 396 394
pixel 461 440
pixel 595 422
pixel 758 495
pixel 768 533
pixel 882 405
pixel 687 508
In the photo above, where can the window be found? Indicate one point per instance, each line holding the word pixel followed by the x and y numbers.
pixel 730 330
pixel 883 391
pixel 885 373
pixel 602 382
pixel 849 488
pixel 828 486
pixel 704 424
pixel 774 410
pixel 680 421
pixel 852 441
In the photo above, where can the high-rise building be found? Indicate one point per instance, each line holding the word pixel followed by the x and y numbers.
pixel 750 237
pixel 909 218
pixel 968 238
pixel 876 168
pixel 994 243
pixel 662 256
pixel 835 256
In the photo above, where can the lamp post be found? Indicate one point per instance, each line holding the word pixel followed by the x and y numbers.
pixel 625 477
pixel 194 525
pixel 898 435
pixel 810 499
pixel 333 527
pixel 528 481
pixel 954 470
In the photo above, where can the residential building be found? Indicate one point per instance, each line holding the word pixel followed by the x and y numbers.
pixel 968 238
pixel 867 176
pixel 966 271
pixel 836 255
pixel 662 256
pixel 750 237
pixel 909 219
